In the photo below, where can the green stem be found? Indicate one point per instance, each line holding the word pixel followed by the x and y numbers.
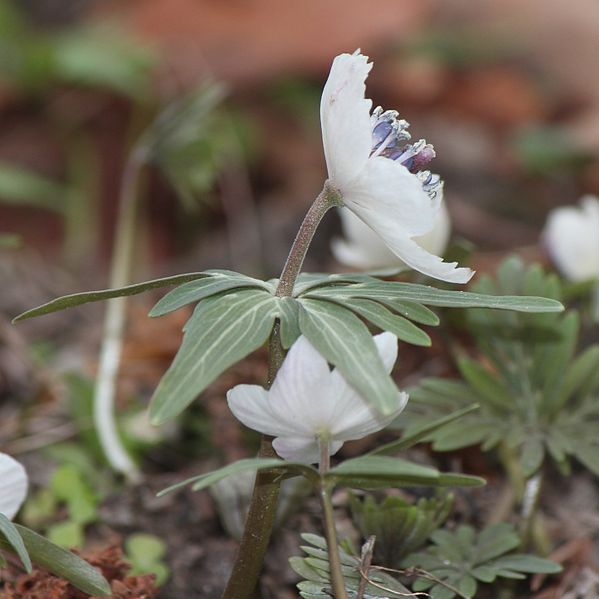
pixel 335 572
pixel 263 505
pixel 114 323
pixel 327 198
pixel 513 469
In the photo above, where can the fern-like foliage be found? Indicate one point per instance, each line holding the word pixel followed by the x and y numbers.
pixel 314 570
pixel 535 394
pixel 458 561
pixel 400 527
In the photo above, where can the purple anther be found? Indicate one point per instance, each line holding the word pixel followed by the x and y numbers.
pixel 426 154
pixel 380 132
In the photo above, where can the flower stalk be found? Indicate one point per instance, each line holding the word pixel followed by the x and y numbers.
pixel 262 510
pixel 327 198
pixel 335 572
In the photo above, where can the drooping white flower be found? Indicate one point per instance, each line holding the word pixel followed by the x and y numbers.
pixel 377 172
pixel 361 248
pixel 13 486
pixel 308 402
pixel 571 236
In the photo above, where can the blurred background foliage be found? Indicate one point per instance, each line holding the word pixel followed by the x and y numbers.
pixel 512 123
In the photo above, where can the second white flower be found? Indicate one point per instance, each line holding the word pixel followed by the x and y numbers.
pixel 309 403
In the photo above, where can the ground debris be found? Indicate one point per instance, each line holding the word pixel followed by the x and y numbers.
pixel 43 585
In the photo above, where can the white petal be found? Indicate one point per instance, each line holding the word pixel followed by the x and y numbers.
pixel 433 266
pixel 13 486
pixel 307 395
pixel 436 240
pixel 590 205
pixel 365 427
pixel 297 449
pixel 386 344
pixel 251 405
pixel 572 239
pixel 364 249
pixel 345 118
pixel 390 199
pixel 354 417
pixel 301 449
pixel 301 388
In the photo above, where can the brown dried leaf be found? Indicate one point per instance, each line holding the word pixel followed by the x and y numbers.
pixel 43 585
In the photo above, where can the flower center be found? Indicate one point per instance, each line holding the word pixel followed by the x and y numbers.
pixel 389 137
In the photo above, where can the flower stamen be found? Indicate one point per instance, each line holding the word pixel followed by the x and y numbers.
pixel 388 131
pixel 389 134
pixel 431 183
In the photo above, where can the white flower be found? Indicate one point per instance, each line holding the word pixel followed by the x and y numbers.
pixel 308 402
pixel 572 239
pixel 377 172
pixel 13 486
pixel 363 249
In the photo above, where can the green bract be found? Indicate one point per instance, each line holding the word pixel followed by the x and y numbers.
pixel 235 315
pixel 366 472
pixel 223 329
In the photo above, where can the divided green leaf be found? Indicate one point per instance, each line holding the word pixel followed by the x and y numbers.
pixel 208 479
pixel 311 280
pixel 460 560
pixel 420 433
pixel 199 289
pixel 430 296
pixel 223 329
pixel 289 309
pixel 373 471
pixel 385 320
pixel 535 395
pixel 344 340
pixel 77 299
pixel 314 570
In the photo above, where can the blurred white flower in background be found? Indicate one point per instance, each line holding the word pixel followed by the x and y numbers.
pixel 13 486
pixel 571 236
pixel 377 172
pixel 309 403
pixel 361 248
